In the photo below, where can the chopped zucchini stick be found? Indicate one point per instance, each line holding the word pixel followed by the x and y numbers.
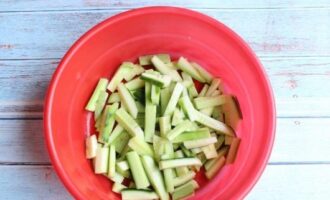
pixel 101 160
pixel 128 123
pixel 183 178
pixel 164 69
pixel 127 100
pixel 206 102
pixel 172 163
pixel 134 84
pixel 139 175
pixel 112 161
pixel 184 191
pixel 134 194
pixel 192 135
pixel 214 169
pixel 199 142
pixel 185 66
pixel 114 97
pixel 91 146
pixel 140 146
pixel 203 72
pixel 174 99
pixel 101 86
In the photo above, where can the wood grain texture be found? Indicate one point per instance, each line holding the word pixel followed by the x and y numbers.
pixel 270 32
pixel 10 5
pixel 297 141
pixel 40 182
pixel 23 85
pixel 293 182
pixel 31 183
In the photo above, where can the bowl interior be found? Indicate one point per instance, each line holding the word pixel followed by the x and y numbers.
pixel 179 32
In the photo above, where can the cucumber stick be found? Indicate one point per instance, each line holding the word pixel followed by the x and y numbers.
pixel 107 122
pixel 157 79
pixel 127 100
pixel 146 60
pixel 91 146
pixel 174 99
pixel 184 191
pixel 168 178
pixel 178 117
pixel 101 86
pixel 100 104
pixel 206 102
pixel 121 141
pixel 182 127
pixel 200 142
pixel 136 70
pixel 164 125
pixel 140 146
pixel 114 97
pixel 155 94
pixel 139 175
pixel 115 133
pixel 214 124
pixel 134 84
pixel 123 165
pixel 192 135
pixel 101 160
pixel 185 66
pixel 164 69
pixel 165 96
pixel 112 161
pixel 180 170
pixel 118 187
pixel 155 177
pixel 134 194
pixel 204 90
pixel 128 123
pixel 172 163
pixel 180 180
pixel 150 114
pixel 124 70
pixel 214 86
pixel 203 72
pixel 210 151
pixel 219 163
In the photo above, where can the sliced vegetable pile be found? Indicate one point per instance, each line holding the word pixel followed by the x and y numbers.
pixel 155 130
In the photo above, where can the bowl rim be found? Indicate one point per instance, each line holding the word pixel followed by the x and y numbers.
pixel 122 16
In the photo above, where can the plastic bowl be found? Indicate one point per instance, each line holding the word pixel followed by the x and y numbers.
pixel 147 31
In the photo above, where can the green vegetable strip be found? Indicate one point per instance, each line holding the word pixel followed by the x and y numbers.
pixel 168 177
pixel 164 125
pixel 220 142
pixel 115 133
pixel 127 100
pixel 107 122
pixel 165 96
pixel 155 177
pixel 134 84
pixel 214 169
pixel 210 151
pixel 222 152
pixel 101 86
pixel 188 107
pixel 128 123
pixel 185 66
pixel 200 142
pixel 164 69
pixel 150 114
pixel 183 178
pixel 121 141
pixel 112 161
pixel 203 91
pixel 140 146
pixel 174 99
pixel 117 178
pixel 182 127
pixel 123 70
pixel 100 104
pixel 206 102
pixel 146 60
pixel 155 94
pixel 183 192
pixel 192 135
pixel 177 117
pixel 156 79
pixel 173 163
pixel 114 97
pixel 117 187
pixel 205 74
pixel 214 85
pixel 214 124
pixel 139 175
pixel 180 170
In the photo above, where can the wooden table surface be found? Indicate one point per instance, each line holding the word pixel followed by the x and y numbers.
pixel 292 39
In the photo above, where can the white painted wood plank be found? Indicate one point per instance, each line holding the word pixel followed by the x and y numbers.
pixel 270 32
pixel 297 140
pixel 102 4
pixel 303 182
pixel 294 80
pixel 31 183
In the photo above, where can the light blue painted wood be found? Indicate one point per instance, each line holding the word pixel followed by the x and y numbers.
pixel 294 82
pixel 303 182
pixel 21 5
pixel 298 140
pixel 31 183
pixel 270 32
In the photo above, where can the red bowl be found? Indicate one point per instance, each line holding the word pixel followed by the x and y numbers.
pixel 148 31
